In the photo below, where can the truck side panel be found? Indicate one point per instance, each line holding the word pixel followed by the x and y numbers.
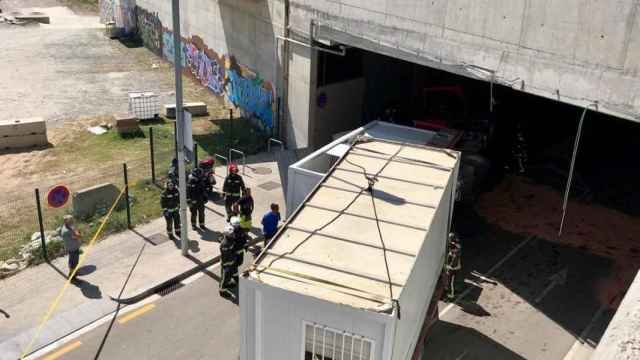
pixel 421 284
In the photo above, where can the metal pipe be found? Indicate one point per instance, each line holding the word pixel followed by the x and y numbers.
pixel 226 161
pixel 275 141
pixel 572 167
pixel 342 52
pixel 244 158
pixel 41 224
pixel 152 156
pixel 180 125
pixel 126 193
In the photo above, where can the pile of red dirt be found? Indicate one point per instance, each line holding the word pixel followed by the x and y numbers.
pixel 521 206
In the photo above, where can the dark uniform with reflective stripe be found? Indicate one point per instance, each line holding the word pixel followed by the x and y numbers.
pixel 239 244
pixel 170 203
pixel 227 265
pixel 232 188
pixel 197 196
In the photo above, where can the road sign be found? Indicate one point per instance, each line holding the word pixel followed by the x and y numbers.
pixel 58 196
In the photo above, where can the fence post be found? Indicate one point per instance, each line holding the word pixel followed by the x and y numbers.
pixel 195 154
pixel 152 156
pixel 126 193
pixel 175 138
pixel 41 223
pixel 230 144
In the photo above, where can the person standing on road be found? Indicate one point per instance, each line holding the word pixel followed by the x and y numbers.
pixel 233 187
pixel 197 197
pixel 170 203
pixel 227 263
pixel 453 266
pixel 245 209
pixel 240 240
pixel 270 223
pixel 71 237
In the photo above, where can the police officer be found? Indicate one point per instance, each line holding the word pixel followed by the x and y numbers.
pixel 170 203
pixel 197 197
pixel 233 188
pixel 452 266
pixel 227 261
pixel 240 240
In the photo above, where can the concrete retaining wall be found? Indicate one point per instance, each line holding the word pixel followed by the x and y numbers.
pixel 228 45
pixel 575 51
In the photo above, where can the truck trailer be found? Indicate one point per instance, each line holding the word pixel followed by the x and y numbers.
pixel 354 271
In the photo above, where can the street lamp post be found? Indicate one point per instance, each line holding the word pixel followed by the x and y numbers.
pixel 184 237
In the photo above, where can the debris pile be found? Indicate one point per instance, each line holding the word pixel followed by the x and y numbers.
pixel 521 206
pixel 26 253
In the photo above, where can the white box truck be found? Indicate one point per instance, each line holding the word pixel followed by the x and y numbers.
pixel 354 272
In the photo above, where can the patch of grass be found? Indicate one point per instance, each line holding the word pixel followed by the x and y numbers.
pixel 99 159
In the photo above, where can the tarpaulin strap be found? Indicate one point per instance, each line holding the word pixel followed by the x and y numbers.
pixel 371 296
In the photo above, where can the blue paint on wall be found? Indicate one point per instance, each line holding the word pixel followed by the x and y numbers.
pixel 251 97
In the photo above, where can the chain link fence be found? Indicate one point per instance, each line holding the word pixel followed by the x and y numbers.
pixel 20 238
pixel 21 221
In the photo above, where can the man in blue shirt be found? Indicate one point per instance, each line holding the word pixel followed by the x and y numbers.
pixel 270 223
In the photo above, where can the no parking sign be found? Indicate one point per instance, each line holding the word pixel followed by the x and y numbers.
pixel 58 196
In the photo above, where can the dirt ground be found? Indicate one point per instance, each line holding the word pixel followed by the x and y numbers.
pixel 73 76
pixel 521 206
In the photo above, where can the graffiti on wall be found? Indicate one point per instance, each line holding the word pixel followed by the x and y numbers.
pixel 205 65
pixel 107 11
pixel 125 13
pixel 149 30
pixel 168 47
pixel 251 95
pixel 219 73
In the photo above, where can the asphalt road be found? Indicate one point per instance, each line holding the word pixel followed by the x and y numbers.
pixel 533 305
pixel 527 299
pixel 192 322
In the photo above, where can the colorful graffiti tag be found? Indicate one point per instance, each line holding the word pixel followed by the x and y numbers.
pixel 168 48
pixel 251 96
pixel 107 11
pixel 205 65
pixel 149 30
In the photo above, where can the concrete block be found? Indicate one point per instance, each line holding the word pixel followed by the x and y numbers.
pixel 195 108
pixel 19 127
pixel 87 202
pixel 36 17
pixel 24 141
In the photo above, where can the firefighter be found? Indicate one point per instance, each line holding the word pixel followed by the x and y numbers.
pixel 170 203
pixel 452 266
pixel 227 261
pixel 240 240
pixel 197 197
pixel 245 209
pixel 233 188
pixel 207 174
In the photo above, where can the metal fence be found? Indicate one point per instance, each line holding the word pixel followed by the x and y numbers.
pixel 26 215
pixel 22 217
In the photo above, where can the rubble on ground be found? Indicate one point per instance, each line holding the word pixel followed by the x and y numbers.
pixel 14 265
pixel 522 206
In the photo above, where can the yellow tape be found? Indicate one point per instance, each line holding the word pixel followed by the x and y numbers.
pixel 55 303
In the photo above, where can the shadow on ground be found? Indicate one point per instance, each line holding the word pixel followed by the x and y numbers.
pixel 451 341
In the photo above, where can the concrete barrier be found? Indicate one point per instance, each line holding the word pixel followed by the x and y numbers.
pixel 195 108
pixel 87 202
pixel 23 133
